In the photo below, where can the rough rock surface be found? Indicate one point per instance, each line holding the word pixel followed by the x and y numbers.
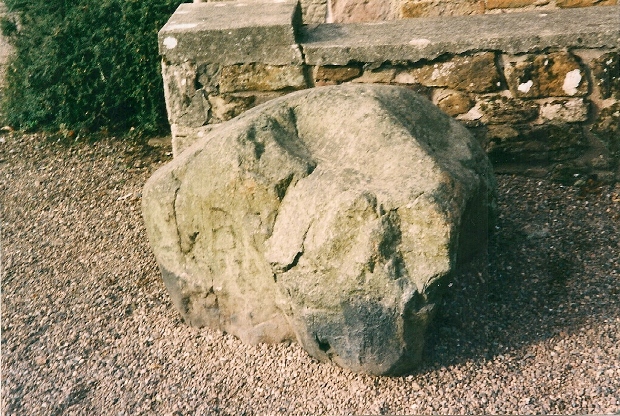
pixel 350 11
pixel 336 228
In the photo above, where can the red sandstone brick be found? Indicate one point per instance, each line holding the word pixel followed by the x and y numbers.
pixel 431 8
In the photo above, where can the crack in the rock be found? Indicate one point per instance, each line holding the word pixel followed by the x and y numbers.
pixel 283 185
pixel 174 210
pixel 191 242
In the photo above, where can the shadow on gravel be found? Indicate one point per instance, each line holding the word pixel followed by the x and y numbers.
pixel 552 267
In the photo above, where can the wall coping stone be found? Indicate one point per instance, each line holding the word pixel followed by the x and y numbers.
pixel 271 32
pixel 428 38
pixel 233 32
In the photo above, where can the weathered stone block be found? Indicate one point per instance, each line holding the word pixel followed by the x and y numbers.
pixel 472 73
pixel 186 103
pixel 501 133
pixel 432 8
pixel 232 32
pixel 208 77
pixel 539 144
pixel 332 75
pixel 351 11
pixel 453 102
pixel 261 77
pixel 553 75
pixel 332 215
pixel 508 4
pixel 314 11
pixel 499 109
pixel 382 75
pixel 227 106
pixel 606 73
pixel 607 129
pixel 584 3
pixel 570 110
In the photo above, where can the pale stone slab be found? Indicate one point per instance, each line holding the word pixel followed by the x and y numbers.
pixel 232 32
pixel 428 38
pixel 572 110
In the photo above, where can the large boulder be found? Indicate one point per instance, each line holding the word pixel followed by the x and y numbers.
pixel 330 215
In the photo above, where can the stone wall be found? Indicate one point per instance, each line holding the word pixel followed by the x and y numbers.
pixel 349 11
pixel 540 92
pixel 379 10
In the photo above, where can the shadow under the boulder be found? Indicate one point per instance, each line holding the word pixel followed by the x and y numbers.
pixel 551 267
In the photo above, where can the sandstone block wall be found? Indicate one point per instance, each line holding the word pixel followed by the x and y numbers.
pixel 349 11
pixel 541 105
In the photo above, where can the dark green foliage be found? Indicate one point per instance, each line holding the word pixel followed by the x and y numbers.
pixel 86 64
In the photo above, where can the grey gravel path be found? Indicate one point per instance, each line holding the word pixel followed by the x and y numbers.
pixel 88 329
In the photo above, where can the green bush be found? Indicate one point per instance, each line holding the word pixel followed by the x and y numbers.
pixel 86 64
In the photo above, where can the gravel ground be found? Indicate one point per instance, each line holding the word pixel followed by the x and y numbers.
pixel 88 328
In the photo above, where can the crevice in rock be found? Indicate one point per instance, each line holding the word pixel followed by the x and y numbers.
pixel 259 147
pixel 174 209
pixel 295 261
pixel 322 344
pixel 388 246
pixel 186 302
pixel 191 239
pixel 282 186
pixel 279 268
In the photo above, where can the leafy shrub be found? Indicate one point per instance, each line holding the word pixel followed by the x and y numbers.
pixel 86 64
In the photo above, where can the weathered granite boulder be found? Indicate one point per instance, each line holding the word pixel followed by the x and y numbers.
pixel 331 215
